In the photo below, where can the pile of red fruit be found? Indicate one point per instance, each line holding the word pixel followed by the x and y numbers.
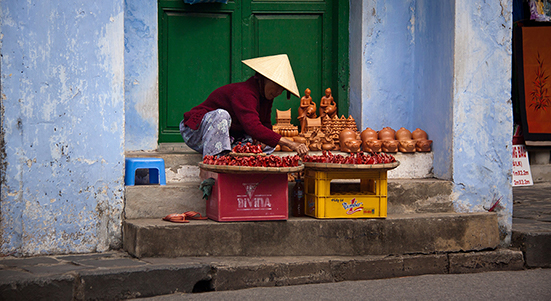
pixel 247 148
pixel 254 161
pixel 357 158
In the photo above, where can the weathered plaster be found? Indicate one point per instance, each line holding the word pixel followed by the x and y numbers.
pixel 387 44
pixel 433 79
pixel 482 110
pixel 141 68
pixel 63 123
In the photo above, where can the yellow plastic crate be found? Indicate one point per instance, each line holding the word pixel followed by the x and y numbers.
pixel 327 199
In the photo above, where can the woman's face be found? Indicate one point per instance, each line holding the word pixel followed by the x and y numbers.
pixel 271 89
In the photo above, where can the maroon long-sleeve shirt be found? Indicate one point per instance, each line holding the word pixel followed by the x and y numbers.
pixel 249 110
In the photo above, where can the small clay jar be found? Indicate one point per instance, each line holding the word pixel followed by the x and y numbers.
pixel 368 134
pixel 327 146
pixel 387 134
pixel 299 139
pixel 285 149
pixel 390 146
pixel 423 145
pixel 407 146
pixel 277 148
pixel 345 135
pixel 315 146
pixel 353 145
pixel 372 146
pixel 419 134
pixel 330 110
pixel 403 134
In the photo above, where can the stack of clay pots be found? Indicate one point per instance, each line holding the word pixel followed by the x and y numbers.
pixel 370 141
pixel 407 144
pixel 390 141
pixel 349 141
pixel 388 136
pixel 422 143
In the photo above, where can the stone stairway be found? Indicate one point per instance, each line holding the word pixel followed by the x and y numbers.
pixel 420 219
pixel 421 235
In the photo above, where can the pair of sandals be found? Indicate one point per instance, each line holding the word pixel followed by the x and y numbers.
pixel 183 217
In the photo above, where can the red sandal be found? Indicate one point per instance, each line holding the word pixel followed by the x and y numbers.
pixel 176 218
pixel 194 215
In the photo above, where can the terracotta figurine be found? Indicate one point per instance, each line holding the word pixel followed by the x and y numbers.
pixel 407 144
pixel 348 142
pixel 307 105
pixel 328 105
pixel 422 143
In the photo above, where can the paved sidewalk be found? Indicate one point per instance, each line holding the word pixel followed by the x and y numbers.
pixel 532 223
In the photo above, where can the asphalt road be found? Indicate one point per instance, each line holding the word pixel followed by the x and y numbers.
pixel 518 285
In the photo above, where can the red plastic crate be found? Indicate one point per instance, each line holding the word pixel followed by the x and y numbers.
pixel 247 197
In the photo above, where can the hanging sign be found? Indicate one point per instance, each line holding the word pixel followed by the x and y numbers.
pixel 522 176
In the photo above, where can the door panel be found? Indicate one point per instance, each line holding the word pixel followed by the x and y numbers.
pixel 192 76
pixel 303 49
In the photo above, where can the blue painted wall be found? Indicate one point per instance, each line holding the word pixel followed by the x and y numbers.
pixel 444 67
pixel 62 81
pixel 141 74
pixel 387 58
pixel 433 79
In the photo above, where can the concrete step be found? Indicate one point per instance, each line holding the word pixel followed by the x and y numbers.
pixel 404 196
pixel 155 201
pixel 397 234
pixel 181 162
pixel 117 276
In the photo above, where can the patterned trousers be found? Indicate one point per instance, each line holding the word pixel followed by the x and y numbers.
pixel 213 135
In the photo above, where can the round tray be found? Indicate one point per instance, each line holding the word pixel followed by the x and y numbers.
pixel 249 169
pixel 246 154
pixel 335 166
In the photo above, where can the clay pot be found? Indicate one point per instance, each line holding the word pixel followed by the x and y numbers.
pixel 368 134
pixel 277 148
pixel 423 145
pixel 407 146
pixel 403 134
pixel 285 149
pixel 419 134
pixel 315 146
pixel 353 145
pixel 330 110
pixel 390 146
pixel 387 134
pixel 372 146
pixel 311 112
pixel 345 135
pixel 327 146
pixel 299 139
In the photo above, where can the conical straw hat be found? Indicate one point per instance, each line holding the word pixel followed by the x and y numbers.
pixel 277 68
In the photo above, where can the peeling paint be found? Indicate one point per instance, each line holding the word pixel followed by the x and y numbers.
pixel 62 126
pixel 482 109
pixel 141 75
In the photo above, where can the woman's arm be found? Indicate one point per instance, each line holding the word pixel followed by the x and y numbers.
pixel 300 148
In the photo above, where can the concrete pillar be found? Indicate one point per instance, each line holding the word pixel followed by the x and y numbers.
pixel 482 110
pixel 62 126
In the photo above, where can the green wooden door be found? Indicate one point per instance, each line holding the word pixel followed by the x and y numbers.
pixel 201 47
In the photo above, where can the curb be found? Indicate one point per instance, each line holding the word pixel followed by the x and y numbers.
pixel 117 276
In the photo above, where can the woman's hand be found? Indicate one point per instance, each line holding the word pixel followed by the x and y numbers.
pixel 300 148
